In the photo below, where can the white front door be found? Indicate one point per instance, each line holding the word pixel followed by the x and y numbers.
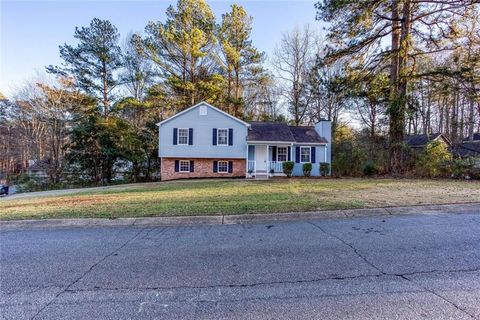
pixel 261 157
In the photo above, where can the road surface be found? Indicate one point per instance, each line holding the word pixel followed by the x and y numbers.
pixel 397 267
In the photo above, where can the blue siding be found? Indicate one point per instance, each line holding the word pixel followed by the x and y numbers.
pixel 203 126
pixel 319 157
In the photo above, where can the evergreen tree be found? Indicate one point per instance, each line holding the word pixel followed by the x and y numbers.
pixel 93 63
pixel 241 60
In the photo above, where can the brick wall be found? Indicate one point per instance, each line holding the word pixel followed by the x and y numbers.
pixel 203 169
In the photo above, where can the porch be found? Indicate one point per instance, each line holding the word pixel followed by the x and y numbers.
pixel 266 160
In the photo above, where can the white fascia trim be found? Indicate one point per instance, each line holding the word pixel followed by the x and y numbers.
pixel 287 143
pixel 199 104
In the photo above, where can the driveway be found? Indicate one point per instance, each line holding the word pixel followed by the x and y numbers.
pixel 397 267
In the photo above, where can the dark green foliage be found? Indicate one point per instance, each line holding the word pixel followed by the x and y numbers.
pixel 307 169
pixel 94 61
pixel 324 168
pixel 288 168
pixel 370 169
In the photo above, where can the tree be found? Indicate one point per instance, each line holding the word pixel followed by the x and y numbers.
pixel 241 60
pixel 293 60
pixel 413 27
pixel 137 74
pixel 183 50
pixel 94 62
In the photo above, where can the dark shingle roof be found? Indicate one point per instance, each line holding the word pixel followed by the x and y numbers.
pixel 476 137
pixel 306 135
pixel 420 140
pixel 269 131
pixel 467 149
pixel 273 131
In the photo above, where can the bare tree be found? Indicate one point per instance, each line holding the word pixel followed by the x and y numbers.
pixel 293 60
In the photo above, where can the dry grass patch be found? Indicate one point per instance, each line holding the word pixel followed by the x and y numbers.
pixel 210 197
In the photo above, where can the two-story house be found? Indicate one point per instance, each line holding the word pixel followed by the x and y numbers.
pixel 204 141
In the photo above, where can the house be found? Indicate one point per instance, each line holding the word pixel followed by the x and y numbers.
pixel 204 141
pixel 466 149
pixel 418 142
pixel 476 137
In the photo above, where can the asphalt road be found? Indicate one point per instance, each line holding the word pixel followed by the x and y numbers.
pixel 405 267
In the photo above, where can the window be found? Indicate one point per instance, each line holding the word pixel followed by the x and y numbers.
pixel 222 137
pixel 182 136
pixel 184 166
pixel 282 154
pixel 305 154
pixel 223 166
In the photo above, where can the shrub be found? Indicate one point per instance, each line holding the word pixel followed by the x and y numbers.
pixel 324 168
pixel 370 169
pixel 307 169
pixel 288 168
pixel 432 160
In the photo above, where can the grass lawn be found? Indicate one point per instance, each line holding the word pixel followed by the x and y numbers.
pixel 211 197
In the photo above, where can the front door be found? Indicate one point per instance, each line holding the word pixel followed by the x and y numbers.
pixel 261 157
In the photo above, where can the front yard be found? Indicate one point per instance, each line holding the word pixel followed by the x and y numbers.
pixel 211 197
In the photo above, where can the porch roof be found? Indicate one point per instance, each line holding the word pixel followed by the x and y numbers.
pixel 269 132
pixel 274 132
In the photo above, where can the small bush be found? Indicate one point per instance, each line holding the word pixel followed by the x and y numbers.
pixel 370 169
pixel 324 168
pixel 431 161
pixel 288 168
pixel 307 169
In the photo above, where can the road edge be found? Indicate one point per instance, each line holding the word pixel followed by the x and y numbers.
pixel 241 218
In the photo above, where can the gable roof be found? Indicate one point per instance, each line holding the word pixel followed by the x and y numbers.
pixel 421 140
pixel 199 104
pixel 281 132
pixel 306 135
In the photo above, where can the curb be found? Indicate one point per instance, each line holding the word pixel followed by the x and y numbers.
pixel 464 208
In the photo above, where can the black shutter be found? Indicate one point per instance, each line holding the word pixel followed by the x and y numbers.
pixel 214 141
pixel 274 153
pixel 175 131
pixel 297 154
pixel 230 137
pixel 192 166
pixel 289 154
pixel 230 166
pixel 190 136
pixel 177 165
pixel 312 156
pixel 215 166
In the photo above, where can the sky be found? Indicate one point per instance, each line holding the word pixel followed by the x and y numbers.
pixel 31 31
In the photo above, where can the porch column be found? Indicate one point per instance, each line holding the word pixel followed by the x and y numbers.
pixel 268 159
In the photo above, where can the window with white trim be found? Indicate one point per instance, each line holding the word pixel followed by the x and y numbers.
pixel 305 154
pixel 182 136
pixel 222 137
pixel 184 166
pixel 282 154
pixel 223 166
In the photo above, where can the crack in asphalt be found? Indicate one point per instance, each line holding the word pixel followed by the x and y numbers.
pixel 88 271
pixel 403 276
pixel 257 284
pixel 439 296
pixel 350 246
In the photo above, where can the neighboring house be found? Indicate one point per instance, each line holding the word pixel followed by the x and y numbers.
pixel 476 137
pixel 203 141
pixel 37 169
pixel 466 149
pixel 419 141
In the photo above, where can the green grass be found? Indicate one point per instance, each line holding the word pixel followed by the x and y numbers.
pixel 213 197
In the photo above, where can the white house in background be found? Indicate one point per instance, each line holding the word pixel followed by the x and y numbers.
pixel 204 141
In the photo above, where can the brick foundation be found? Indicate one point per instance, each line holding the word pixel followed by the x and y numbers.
pixel 203 169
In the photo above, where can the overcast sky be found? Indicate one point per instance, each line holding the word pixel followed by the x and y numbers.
pixel 31 31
